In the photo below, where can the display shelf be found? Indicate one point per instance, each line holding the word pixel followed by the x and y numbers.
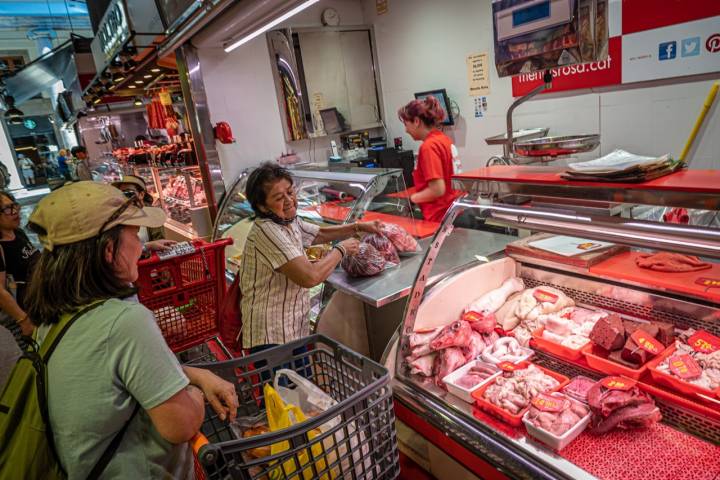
pixel 686 188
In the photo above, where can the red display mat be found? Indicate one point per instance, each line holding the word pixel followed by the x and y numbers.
pixel 657 453
pixel 416 228
pixel 623 267
pixel 697 181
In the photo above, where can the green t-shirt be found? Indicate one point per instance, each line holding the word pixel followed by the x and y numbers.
pixel 111 358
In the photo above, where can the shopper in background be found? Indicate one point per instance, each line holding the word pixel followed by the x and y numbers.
pixel 275 274
pixel 152 238
pixel 433 173
pixel 113 358
pixel 81 163
pixel 62 164
pixel 17 257
pixel 28 169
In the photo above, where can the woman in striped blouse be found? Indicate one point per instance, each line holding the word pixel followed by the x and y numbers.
pixel 275 274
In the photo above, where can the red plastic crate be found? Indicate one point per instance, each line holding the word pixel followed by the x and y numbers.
pixel 555 348
pixel 515 420
pixel 664 378
pixel 185 293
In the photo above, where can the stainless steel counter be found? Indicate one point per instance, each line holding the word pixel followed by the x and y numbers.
pixel 462 247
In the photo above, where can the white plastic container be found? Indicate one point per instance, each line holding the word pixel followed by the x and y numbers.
pixel 558 443
pixel 527 354
pixel 462 392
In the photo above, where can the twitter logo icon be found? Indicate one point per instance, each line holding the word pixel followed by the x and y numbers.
pixel 690 47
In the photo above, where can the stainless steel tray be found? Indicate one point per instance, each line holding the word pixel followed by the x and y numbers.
pixel 523 135
pixel 556 146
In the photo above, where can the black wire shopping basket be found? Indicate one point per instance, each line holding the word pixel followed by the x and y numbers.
pixel 355 438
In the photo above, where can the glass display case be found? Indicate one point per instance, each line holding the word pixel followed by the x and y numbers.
pixel 326 196
pixel 480 343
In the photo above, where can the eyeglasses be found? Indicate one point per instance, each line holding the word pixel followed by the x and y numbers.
pixel 130 193
pixel 116 214
pixel 11 209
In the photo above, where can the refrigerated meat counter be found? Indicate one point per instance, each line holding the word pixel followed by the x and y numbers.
pixel 685 443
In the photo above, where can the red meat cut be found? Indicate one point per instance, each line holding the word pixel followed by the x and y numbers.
pixel 384 246
pixel 671 262
pixel 619 408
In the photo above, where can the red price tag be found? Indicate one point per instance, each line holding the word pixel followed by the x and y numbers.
pixel 548 403
pixel 508 367
pixel 684 366
pixel 704 342
pixel 472 316
pixel 708 282
pixel 646 342
pixel 617 383
pixel 545 297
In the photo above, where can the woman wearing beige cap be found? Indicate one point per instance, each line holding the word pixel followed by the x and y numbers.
pixel 112 374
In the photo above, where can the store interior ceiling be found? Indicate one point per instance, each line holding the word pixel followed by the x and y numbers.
pixel 23 15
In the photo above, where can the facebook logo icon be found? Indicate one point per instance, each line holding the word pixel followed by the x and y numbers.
pixel 667 50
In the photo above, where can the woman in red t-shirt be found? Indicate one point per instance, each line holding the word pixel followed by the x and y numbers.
pixel 434 168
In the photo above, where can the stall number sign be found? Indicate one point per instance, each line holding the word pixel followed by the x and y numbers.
pixel 704 342
pixel 646 342
pixel 549 403
pixel 113 30
pixel 685 367
pixel 617 383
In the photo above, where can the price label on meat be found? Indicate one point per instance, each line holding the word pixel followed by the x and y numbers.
pixel 508 367
pixel 646 342
pixel 617 383
pixel 708 282
pixel 548 403
pixel 545 297
pixel 685 367
pixel 704 342
pixel 473 316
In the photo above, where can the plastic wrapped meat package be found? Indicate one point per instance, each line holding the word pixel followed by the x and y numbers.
pixel 384 246
pixel 403 241
pixel 366 263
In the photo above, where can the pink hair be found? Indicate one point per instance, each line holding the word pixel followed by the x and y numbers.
pixel 428 111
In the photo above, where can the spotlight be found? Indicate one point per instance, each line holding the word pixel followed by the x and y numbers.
pixel 138 102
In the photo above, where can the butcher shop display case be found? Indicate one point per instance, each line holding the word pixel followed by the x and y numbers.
pixel 182 196
pixel 542 366
pixel 331 195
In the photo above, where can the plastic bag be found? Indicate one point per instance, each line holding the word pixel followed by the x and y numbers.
pixel 384 246
pixel 403 241
pixel 366 263
pixel 311 399
pixel 281 416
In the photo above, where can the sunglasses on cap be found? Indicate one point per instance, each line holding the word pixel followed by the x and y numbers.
pixel 11 209
pixel 130 193
pixel 134 200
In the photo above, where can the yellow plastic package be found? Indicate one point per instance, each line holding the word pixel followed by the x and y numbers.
pixel 281 416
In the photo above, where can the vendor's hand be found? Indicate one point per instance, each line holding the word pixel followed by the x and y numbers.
pixel 351 246
pixel 370 227
pixel 220 394
pixel 160 245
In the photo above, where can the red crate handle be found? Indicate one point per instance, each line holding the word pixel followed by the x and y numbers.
pixel 198 244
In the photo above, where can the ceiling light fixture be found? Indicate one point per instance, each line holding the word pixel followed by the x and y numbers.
pixel 139 82
pixel 155 70
pixel 97 100
pixel 269 25
pixel 132 86
pixel 147 76
pixel 138 102
pixel 118 77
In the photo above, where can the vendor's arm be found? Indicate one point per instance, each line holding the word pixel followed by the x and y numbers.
pixel 9 305
pixel 341 232
pixel 434 190
pixel 306 274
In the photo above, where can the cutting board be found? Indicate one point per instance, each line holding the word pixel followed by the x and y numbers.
pixel 622 267
pixel 521 247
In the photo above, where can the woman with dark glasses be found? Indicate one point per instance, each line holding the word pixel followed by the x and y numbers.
pixel 17 255
pixel 153 238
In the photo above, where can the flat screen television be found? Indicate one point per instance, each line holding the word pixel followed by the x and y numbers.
pixel 442 97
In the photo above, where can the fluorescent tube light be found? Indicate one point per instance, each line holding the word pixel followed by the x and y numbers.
pixel 270 25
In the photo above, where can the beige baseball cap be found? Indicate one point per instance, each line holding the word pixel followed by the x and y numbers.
pixel 78 211
pixel 138 182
